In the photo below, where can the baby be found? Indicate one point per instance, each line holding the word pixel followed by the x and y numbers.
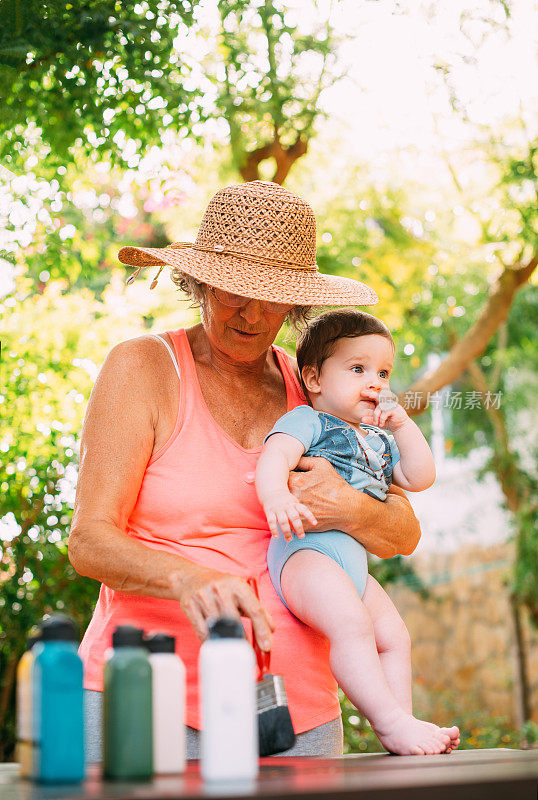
pixel 345 361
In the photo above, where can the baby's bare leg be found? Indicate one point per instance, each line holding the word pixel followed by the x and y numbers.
pixel 392 640
pixel 394 648
pixel 321 594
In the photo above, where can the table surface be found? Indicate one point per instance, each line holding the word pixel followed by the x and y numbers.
pixel 473 774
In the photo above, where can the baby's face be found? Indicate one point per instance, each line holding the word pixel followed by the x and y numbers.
pixel 357 369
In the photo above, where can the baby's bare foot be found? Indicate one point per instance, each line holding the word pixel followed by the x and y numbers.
pixel 405 735
pixel 454 734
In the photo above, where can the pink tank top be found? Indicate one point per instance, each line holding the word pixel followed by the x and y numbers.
pixel 198 500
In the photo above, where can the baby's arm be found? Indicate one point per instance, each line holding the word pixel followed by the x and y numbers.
pixel 281 454
pixel 415 471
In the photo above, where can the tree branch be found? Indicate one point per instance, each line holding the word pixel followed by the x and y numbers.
pixel 250 167
pixel 285 158
pixel 473 344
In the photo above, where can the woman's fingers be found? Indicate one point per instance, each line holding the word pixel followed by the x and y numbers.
pixel 227 607
pixel 196 618
pixel 208 601
pixel 262 624
pixel 317 486
pixel 207 594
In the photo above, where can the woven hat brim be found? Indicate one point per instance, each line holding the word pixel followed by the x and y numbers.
pixel 255 279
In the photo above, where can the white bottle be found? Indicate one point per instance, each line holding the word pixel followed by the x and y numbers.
pixel 168 681
pixel 229 736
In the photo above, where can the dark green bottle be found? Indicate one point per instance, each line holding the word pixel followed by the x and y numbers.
pixel 127 711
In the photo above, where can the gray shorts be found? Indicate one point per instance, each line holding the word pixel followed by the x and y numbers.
pixel 325 741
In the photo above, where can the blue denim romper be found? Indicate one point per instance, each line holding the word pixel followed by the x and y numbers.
pixel 365 463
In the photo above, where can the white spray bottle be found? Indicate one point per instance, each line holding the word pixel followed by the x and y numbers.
pixel 229 737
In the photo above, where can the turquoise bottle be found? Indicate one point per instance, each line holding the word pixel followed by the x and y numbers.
pixel 58 717
pixel 127 708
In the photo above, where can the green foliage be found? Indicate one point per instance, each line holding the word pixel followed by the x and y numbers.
pixel 367 234
pixel 90 74
pixel 269 75
pixel 519 172
pixel 42 403
pixel 525 584
pixel 75 232
pixel 477 730
pixel 53 345
pixel 389 571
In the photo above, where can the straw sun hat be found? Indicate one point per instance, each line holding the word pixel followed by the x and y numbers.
pixel 258 240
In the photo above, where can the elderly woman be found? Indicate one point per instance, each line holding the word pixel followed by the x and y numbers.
pixel 166 516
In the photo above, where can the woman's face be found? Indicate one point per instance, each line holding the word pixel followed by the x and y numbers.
pixel 243 334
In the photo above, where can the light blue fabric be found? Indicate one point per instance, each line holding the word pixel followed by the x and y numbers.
pixel 366 463
pixel 346 551
pixel 361 461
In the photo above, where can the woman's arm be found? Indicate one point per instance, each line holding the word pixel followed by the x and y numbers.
pixel 385 529
pixel 117 442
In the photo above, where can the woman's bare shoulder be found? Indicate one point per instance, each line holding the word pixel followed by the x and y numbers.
pixel 143 356
pixel 137 374
pixel 139 349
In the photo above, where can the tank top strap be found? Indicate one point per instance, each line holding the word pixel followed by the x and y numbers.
pixel 288 372
pixel 171 352
pixel 183 353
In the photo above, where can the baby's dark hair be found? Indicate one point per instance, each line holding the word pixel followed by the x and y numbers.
pixel 318 341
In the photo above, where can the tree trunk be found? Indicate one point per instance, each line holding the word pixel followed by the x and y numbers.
pixel 522 699
pixel 285 158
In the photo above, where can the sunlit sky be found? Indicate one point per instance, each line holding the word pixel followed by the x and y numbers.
pixel 394 98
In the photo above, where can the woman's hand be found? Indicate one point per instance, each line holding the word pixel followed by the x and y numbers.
pixel 207 594
pixel 318 487
pixel 384 529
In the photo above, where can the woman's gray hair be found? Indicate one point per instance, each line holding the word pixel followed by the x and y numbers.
pixel 194 290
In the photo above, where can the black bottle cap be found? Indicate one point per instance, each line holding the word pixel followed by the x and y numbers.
pixel 226 628
pixel 127 636
pixel 160 643
pixel 59 628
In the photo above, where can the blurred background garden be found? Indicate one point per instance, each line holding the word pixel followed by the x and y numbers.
pixel 412 130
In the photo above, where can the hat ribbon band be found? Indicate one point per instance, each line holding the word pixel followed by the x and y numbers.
pixel 221 250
